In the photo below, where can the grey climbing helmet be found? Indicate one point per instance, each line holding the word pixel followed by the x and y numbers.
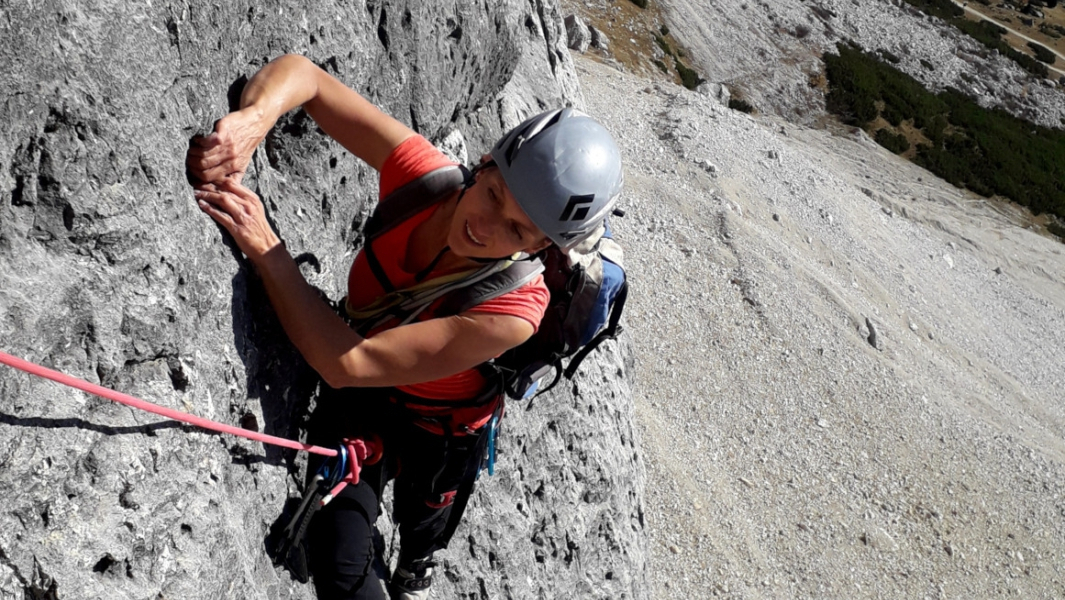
pixel 564 169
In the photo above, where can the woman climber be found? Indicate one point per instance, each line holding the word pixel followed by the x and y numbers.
pixel 416 386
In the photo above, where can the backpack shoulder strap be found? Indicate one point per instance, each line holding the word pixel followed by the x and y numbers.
pixel 519 273
pixel 413 197
pixel 403 203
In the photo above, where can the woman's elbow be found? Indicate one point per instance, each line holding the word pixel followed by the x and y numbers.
pixel 336 375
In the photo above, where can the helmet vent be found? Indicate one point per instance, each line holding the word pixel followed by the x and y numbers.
pixel 516 140
pixel 552 121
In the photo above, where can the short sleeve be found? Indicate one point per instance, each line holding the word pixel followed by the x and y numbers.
pixel 411 159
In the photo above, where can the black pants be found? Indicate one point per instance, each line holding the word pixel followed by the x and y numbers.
pixel 428 470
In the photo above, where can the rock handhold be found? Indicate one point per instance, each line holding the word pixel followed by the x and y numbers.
pixel 578 37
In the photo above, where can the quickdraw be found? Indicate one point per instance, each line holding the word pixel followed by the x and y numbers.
pixel 332 477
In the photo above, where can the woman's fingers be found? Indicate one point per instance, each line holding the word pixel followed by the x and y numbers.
pixel 219 206
pixel 234 186
pixel 218 156
pixel 241 213
pixel 215 213
pixel 213 164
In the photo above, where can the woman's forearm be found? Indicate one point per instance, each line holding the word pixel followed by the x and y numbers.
pixel 285 83
pixel 323 339
pixel 292 81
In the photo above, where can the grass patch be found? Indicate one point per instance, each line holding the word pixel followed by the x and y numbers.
pixel 987 151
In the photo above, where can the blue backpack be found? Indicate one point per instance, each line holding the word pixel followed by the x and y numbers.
pixel 587 284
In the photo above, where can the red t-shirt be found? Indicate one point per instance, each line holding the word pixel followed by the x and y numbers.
pixel 410 160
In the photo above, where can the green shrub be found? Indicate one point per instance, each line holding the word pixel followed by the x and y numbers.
pixel 688 76
pixel 889 56
pixel 740 105
pixel 987 151
pixel 1042 53
pixel 894 142
pixel 664 29
pixel 661 66
pixel 944 9
pixel 640 3
pixel 1028 63
pixel 892 114
pixel 1057 230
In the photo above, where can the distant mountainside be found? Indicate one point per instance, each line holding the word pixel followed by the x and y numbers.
pixel 769 53
pixel 847 375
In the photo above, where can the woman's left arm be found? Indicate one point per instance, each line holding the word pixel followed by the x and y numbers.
pixel 408 354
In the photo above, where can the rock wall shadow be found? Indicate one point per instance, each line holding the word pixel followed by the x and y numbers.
pixel 239 454
pixel 49 423
pixel 276 374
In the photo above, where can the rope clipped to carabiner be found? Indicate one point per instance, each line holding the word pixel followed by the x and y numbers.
pixel 351 456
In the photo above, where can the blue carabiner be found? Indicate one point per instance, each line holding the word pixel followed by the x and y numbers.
pixel 342 456
pixel 492 433
pixel 333 476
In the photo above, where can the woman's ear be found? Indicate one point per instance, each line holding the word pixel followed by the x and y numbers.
pixel 544 243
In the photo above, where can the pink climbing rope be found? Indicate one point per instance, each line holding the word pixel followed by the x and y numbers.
pixel 169 413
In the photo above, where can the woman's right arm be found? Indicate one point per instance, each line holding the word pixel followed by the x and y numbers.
pixel 283 84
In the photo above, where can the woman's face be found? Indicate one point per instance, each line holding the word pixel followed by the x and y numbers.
pixel 488 223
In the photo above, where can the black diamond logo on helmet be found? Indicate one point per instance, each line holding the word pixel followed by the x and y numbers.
pixel 577 208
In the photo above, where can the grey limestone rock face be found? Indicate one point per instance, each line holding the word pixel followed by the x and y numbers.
pixel 109 272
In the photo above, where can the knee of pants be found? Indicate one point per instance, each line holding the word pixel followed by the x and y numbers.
pixel 341 539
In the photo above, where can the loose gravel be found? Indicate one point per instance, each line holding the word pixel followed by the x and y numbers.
pixel 848 377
